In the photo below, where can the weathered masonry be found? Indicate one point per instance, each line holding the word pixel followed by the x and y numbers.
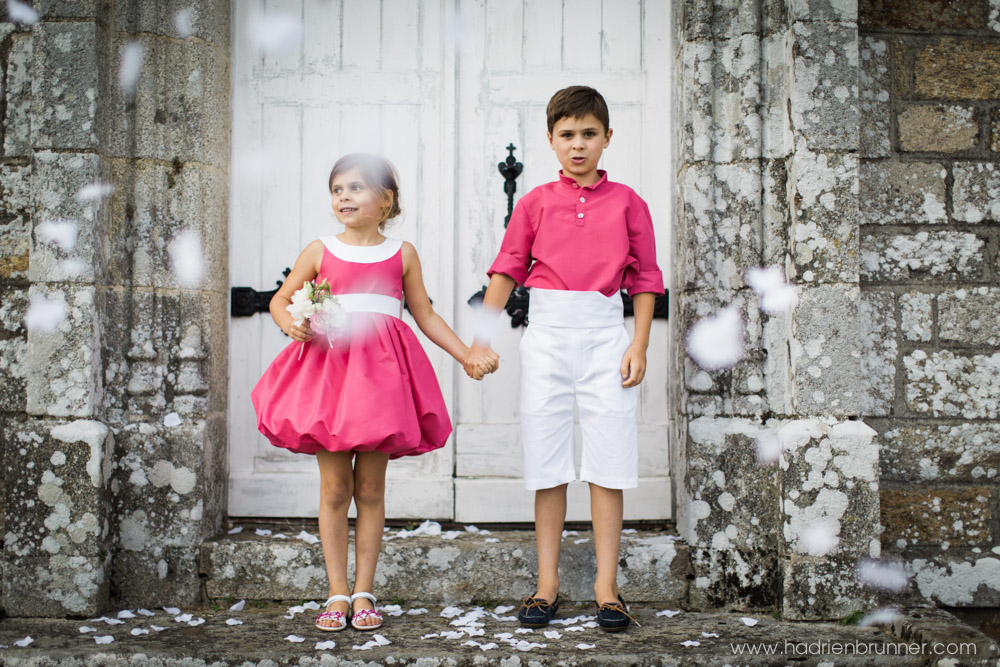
pixel 855 145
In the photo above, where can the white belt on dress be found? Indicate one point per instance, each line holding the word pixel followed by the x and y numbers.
pixel 577 310
pixel 370 303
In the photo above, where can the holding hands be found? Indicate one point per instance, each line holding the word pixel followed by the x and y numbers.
pixel 480 361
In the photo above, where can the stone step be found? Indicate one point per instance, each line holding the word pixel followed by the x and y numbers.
pixel 452 567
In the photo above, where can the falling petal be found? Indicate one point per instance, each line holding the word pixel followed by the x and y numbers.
pixel 21 13
pixel 781 300
pixel 132 56
pixel 880 617
pixel 44 315
pixel 233 621
pixel 819 539
pixel 238 606
pixel 186 258
pixel 183 22
pixel 717 342
pixel 886 576
pixel 94 192
pixel 103 639
pixel 60 232
pixel 171 420
pixel 276 32
pixel 775 295
pixel 749 622
pixel 769 447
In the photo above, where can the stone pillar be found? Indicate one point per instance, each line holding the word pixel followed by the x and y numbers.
pixel 104 495
pixel 768 175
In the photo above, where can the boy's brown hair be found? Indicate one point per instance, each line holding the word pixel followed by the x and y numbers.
pixel 576 102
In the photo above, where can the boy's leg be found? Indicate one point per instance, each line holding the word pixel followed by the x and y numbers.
pixel 550 515
pixel 369 498
pixel 335 493
pixel 606 509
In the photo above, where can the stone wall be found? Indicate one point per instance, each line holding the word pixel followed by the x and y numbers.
pixel 104 497
pixel 930 283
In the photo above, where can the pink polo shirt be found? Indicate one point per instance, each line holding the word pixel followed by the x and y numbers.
pixel 597 238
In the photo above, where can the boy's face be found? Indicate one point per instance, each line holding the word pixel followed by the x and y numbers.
pixel 579 143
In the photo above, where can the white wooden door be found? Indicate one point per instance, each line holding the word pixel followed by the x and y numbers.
pixel 312 81
pixel 516 54
pixel 440 87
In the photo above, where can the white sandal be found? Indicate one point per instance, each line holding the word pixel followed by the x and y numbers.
pixel 338 616
pixel 366 613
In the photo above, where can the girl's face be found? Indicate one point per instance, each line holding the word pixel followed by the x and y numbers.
pixel 355 203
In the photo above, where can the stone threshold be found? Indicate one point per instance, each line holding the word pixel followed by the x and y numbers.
pixel 455 566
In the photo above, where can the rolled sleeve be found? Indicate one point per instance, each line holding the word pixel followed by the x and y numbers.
pixel 643 274
pixel 514 258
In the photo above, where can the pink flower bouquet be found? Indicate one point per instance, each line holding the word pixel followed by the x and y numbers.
pixel 317 305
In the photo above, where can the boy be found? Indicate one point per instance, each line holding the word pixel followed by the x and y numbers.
pixel 576 242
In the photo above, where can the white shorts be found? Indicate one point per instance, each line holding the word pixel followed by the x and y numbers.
pixel 565 360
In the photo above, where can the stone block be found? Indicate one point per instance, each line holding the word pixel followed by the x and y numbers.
pixel 995 130
pixel 734 578
pixel 874 97
pixel 777 140
pixel 15 228
pixel 830 488
pixel 964 453
pixel 826 352
pixel 206 21
pixel 179 109
pixel 13 349
pixel 877 314
pixel 147 578
pixel 68 9
pixel 705 20
pixel 20 71
pixel 970 316
pixel 952 68
pixel 57 504
pixel 955 578
pixel 942 516
pixel 976 192
pixel 822 589
pixel 938 128
pixel 927 256
pixel 63 367
pixel 915 316
pixel 945 384
pixel 775 213
pixel 824 230
pixel 897 192
pixel 921 15
pixel 64 86
pixel 722 212
pixel 824 10
pixel 824 93
pixel 993 21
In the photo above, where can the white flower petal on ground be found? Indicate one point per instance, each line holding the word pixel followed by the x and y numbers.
pixel 44 314
pixel 668 613
pixel 749 622
pixel 312 605
pixel 171 610
pixel 576 628
pixel 880 617
pixel 145 612
pixel 451 612
pixel 415 612
pixel 184 22
pixel 171 420
pixel 450 535
pixel 186 259
pixel 883 575
pixel 819 539
pixel 471 643
pixel 471 529
pixel 503 609
pixel 22 13
pixel 113 621
pixel 709 634
pixel 263 532
pixel 158 628
pixel 60 232
pixel 431 636
pixel 528 646
pixel 183 618
pixel 139 631
pixel 233 621
pixel 103 639
pixel 569 533
pixel 366 647
pixel 126 613
pixel 429 528
pixel 716 342
pixel 308 538
pixel 326 646
pixel 491 540
pixel 196 622
pixel 132 56
pixel 280 536
pixel 523 631
pixel 94 192
pixel 276 32
pixel 584 647
pixel 235 531
pixel 391 610
pixel 238 606
pixel 488 647
pixel 552 634
pixel 690 642
pixel 452 634
pixel 381 640
pixel 24 642
pixel 295 639
pixel 86 628
pixel 581 540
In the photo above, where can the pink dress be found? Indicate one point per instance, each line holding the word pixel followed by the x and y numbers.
pixel 374 389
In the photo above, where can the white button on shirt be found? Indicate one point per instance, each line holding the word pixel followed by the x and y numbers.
pixel 579 215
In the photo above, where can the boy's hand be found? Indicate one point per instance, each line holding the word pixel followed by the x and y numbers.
pixel 633 365
pixel 480 361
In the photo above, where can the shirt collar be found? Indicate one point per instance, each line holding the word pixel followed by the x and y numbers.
pixel 563 178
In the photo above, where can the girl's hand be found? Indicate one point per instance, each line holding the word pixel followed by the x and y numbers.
pixel 480 361
pixel 301 333
pixel 633 365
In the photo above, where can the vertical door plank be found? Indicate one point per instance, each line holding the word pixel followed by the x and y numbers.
pixel 504 35
pixel 582 36
pixel 400 36
pixel 282 51
pixel 622 30
pixel 319 153
pixel 321 36
pixel 542 36
pixel 361 35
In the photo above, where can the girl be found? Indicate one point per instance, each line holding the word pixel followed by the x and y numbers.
pixel 369 393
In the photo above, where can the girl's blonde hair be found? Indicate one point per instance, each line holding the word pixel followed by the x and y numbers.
pixel 380 176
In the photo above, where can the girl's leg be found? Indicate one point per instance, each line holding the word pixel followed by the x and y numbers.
pixel 550 515
pixel 369 498
pixel 606 509
pixel 335 493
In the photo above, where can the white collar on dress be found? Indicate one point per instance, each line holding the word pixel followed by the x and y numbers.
pixel 362 254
